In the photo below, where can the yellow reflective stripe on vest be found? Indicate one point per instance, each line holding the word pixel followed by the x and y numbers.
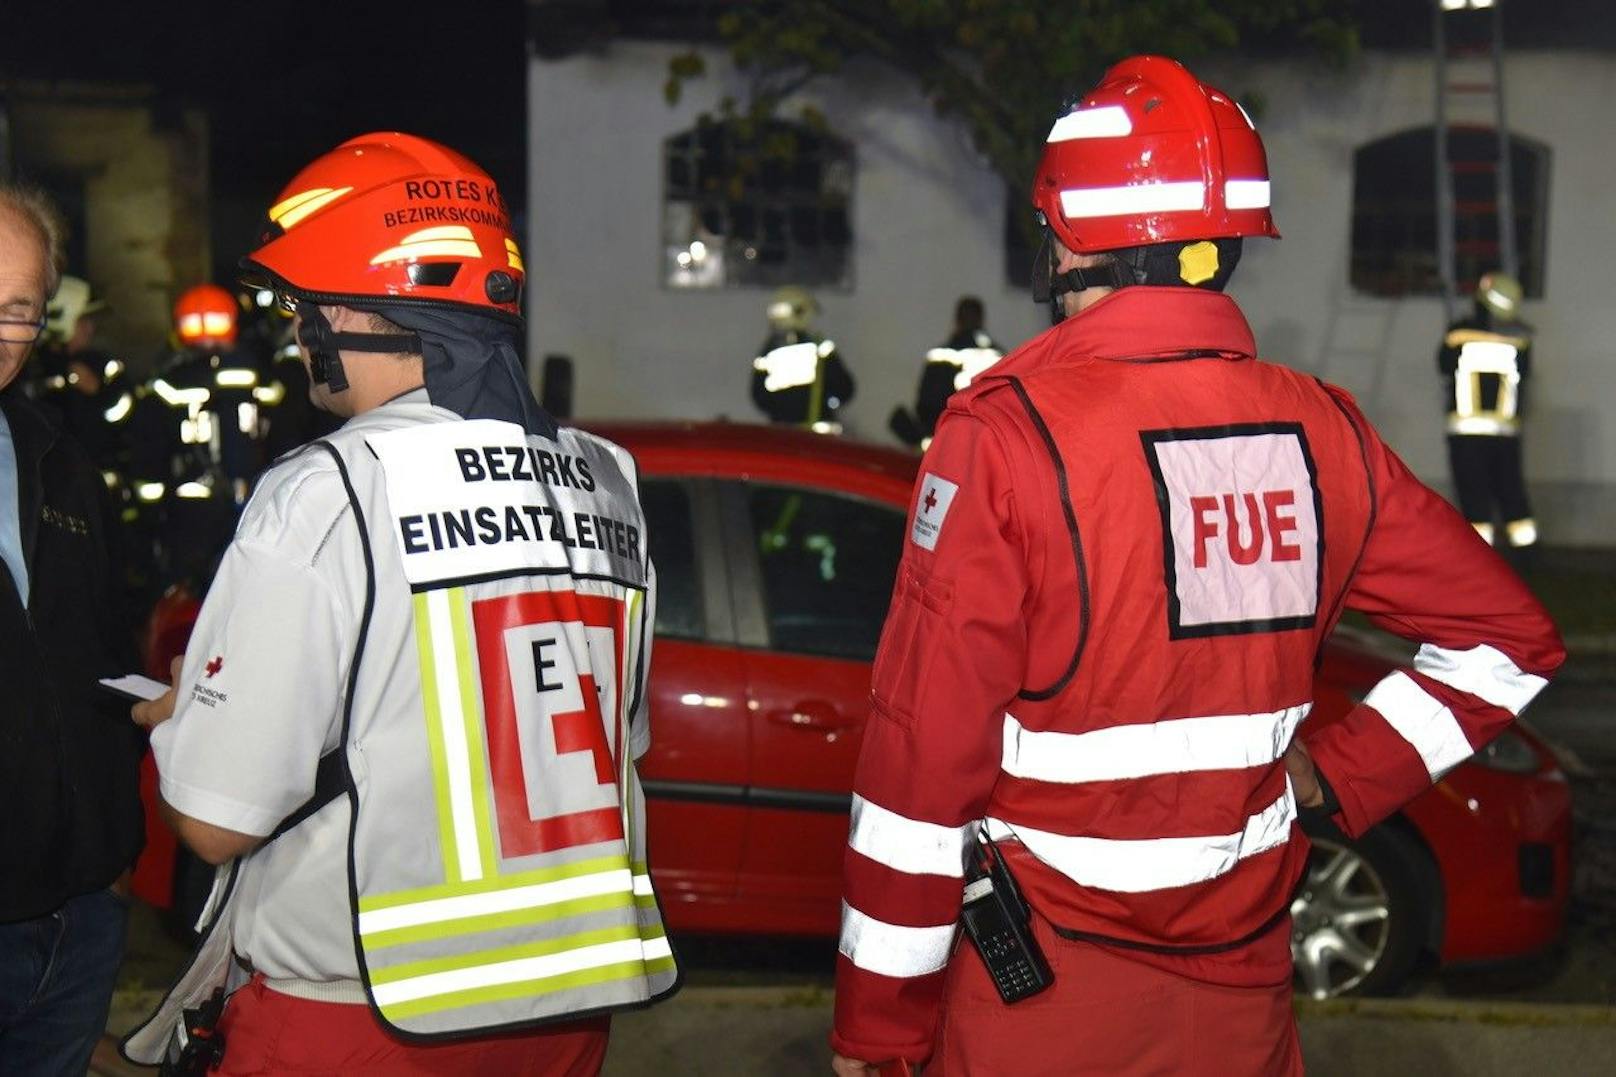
pixel 381 938
pixel 522 897
pixel 615 953
pixel 426 894
pixel 633 643
pixel 454 726
pixel 446 914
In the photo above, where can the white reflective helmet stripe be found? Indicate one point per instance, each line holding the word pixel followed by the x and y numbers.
pixel 1108 121
pixel 1172 746
pixel 1161 198
pixel 1500 299
pixel 1483 671
pixel 1139 865
pixel 892 950
pixel 907 845
pixel 1424 721
pixel 1246 194
pixel 510 899
pixel 1135 198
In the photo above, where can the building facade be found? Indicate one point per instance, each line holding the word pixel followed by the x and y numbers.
pixel 1339 296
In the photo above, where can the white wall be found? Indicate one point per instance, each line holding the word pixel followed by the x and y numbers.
pixel 928 220
pixel 927 225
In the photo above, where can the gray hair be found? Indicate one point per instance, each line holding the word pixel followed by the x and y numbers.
pixel 40 213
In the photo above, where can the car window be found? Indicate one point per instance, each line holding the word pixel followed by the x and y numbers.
pixel 827 564
pixel 673 550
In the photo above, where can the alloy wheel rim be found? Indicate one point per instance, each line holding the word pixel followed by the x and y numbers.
pixel 1340 921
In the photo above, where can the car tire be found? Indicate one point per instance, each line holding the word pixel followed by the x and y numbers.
pixel 1359 921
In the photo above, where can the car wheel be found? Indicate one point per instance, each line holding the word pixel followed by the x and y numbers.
pixel 1358 921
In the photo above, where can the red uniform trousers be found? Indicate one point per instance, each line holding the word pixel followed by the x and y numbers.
pixel 1110 1014
pixel 267 1032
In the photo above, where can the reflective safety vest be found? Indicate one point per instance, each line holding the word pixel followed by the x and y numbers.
pixel 524 893
pixel 1487 369
pixel 497 859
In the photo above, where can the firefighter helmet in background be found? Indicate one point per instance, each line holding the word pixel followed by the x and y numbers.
pixel 1155 163
pixel 206 316
pixel 74 300
pixel 390 218
pixel 1501 294
pixel 792 309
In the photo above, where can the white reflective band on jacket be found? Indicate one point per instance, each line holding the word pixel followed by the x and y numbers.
pixel 908 845
pixel 1171 746
pixel 892 949
pixel 1137 865
pixel 1426 722
pixel 1485 356
pixel 791 366
pixel 972 362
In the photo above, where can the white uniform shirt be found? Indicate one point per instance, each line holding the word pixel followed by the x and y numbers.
pixel 262 693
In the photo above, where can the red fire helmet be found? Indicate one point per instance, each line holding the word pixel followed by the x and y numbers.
pixel 392 217
pixel 1152 155
pixel 206 316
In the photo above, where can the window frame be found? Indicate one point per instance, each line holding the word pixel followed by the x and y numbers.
pixel 716 616
pixel 834 150
pixel 747 596
pixel 1531 206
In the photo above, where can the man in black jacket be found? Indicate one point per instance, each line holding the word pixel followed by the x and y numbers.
pixel 71 825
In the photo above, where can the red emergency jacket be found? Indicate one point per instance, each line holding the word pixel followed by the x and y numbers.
pixel 1128 542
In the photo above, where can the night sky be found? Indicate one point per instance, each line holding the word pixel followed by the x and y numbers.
pixel 284 81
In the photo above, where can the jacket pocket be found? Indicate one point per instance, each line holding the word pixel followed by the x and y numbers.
pixel 908 643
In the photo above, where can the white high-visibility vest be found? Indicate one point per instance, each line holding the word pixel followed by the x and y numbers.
pixel 497 859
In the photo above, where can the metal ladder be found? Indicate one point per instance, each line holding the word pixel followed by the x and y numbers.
pixel 1469 43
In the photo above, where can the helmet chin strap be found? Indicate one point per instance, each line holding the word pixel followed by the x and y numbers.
pixel 1049 285
pixel 325 344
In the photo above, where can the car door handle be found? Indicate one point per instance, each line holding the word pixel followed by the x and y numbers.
pixel 817 714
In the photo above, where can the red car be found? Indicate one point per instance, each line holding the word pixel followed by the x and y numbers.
pixel 776 551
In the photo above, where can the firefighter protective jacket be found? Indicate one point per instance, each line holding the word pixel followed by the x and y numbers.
pixel 1486 367
pixel 1129 540
pixel 799 377
pixel 950 367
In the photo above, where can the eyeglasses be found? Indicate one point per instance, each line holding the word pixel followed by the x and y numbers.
pixel 13 331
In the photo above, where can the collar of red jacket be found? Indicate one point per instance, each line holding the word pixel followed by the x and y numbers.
pixel 1142 323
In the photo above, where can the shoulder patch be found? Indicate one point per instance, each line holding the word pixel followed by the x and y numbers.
pixel 936 495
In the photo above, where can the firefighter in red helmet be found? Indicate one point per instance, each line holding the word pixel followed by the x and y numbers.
pixel 405 601
pixel 1129 539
